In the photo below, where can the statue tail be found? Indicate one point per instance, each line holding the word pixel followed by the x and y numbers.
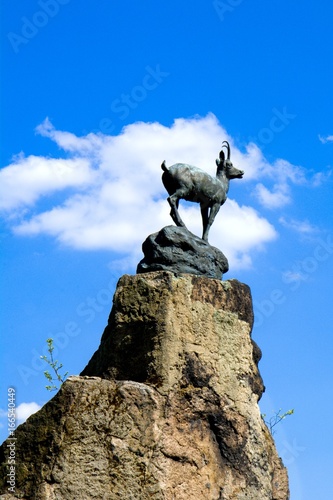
pixel 164 167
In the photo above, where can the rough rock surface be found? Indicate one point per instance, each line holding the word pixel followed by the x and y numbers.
pixel 176 249
pixel 166 408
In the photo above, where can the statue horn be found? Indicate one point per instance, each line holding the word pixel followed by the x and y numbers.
pixel 228 147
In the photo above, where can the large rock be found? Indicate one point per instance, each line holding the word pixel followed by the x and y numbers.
pixel 166 408
pixel 178 250
pixel 158 318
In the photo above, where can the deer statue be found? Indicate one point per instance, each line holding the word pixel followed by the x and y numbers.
pixel 190 183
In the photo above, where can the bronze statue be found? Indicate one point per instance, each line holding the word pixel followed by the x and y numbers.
pixel 190 183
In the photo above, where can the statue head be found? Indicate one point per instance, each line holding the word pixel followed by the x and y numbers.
pixel 224 163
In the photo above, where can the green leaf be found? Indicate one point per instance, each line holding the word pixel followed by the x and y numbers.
pixel 55 365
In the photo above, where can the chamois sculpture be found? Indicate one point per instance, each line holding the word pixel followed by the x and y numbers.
pixel 190 183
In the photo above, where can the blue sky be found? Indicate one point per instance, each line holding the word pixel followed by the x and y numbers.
pixel 93 99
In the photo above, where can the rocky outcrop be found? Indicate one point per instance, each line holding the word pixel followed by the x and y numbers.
pixel 178 250
pixel 166 408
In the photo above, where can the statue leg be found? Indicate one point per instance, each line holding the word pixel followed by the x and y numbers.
pixel 212 214
pixel 204 215
pixel 174 202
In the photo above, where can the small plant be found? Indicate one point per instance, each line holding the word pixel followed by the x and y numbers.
pixel 56 367
pixel 275 419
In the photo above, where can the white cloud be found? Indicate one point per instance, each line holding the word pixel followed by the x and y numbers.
pixel 3 413
pixel 300 226
pixel 70 142
pixel 238 231
pixel 320 178
pixel 280 176
pixel 27 179
pixel 24 410
pixel 110 194
pixel 278 197
pixel 324 140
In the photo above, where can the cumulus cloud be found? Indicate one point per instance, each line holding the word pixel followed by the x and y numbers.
pixel 24 410
pixel 110 194
pixel 240 230
pixel 279 196
pixel 27 179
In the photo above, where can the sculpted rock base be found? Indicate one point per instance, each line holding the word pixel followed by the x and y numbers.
pixel 166 408
pixel 176 249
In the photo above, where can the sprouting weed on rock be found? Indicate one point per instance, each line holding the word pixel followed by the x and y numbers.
pixel 56 367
